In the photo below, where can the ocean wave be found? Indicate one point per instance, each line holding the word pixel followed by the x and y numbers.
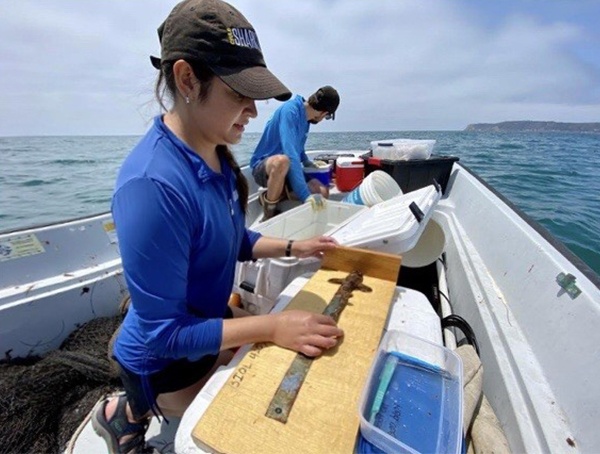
pixel 38 182
pixel 74 161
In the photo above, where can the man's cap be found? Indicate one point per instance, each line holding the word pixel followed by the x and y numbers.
pixel 217 34
pixel 327 100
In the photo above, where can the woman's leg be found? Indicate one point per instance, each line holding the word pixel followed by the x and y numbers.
pixel 114 421
pixel 114 414
pixel 176 402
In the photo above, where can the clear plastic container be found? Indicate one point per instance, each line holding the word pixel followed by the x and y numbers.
pixel 412 401
pixel 402 149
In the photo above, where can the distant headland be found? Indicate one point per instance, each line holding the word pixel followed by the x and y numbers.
pixel 534 126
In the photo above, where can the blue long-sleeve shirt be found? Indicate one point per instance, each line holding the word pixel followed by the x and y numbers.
pixel 181 230
pixel 286 133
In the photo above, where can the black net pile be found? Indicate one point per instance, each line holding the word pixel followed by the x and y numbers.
pixel 44 399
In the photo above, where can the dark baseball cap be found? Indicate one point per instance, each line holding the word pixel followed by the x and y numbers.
pixel 217 34
pixel 327 100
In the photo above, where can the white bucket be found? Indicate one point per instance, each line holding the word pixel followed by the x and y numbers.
pixel 429 247
pixel 377 187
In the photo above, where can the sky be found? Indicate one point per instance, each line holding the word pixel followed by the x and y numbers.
pixel 73 67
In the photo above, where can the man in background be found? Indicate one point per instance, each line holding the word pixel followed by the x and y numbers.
pixel 280 157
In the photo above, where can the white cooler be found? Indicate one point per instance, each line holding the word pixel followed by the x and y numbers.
pixel 391 226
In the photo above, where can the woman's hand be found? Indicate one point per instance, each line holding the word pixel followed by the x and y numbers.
pixel 305 332
pixel 313 247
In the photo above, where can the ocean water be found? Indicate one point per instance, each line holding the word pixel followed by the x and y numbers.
pixel 552 177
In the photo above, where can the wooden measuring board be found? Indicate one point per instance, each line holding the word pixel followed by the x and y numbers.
pixel 324 417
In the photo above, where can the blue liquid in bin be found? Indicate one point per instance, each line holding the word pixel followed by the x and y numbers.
pixel 415 403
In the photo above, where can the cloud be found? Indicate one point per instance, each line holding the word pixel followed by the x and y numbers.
pixel 74 67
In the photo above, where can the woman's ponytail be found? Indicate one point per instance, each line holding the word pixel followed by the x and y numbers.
pixel 241 182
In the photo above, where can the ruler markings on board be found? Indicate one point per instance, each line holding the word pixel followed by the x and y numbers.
pixel 285 396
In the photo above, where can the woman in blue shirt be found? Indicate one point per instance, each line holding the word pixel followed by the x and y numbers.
pixel 179 209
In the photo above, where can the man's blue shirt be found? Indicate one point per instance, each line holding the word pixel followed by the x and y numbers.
pixel 181 230
pixel 286 133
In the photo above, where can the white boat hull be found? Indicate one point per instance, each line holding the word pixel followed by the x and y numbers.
pixel 46 291
pixel 537 343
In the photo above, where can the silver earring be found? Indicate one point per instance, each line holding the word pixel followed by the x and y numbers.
pixel 187 99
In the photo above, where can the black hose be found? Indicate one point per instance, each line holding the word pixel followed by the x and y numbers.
pixel 457 321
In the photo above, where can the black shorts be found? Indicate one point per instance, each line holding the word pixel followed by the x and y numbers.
pixel 260 173
pixel 177 375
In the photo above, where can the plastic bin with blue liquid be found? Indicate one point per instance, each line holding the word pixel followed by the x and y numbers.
pixel 412 401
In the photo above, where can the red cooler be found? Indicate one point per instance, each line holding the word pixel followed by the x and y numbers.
pixel 349 173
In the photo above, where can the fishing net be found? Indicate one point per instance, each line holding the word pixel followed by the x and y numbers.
pixel 44 399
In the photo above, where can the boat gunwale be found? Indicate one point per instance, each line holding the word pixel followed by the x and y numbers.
pixel 23 230
pixel 554 241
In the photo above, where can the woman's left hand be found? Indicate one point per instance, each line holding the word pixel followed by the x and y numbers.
pixel 313 247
